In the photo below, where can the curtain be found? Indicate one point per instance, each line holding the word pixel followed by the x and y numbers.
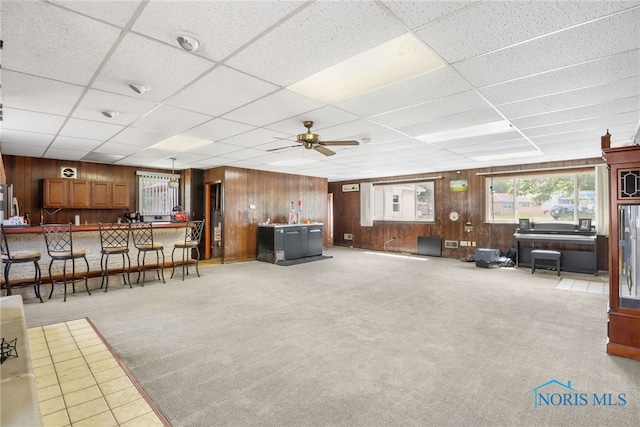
pixel 366 204
pixel 602 197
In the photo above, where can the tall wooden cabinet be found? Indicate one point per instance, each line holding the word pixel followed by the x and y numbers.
pixel 624 251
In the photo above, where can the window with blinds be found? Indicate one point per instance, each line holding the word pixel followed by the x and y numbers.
pixel 155 197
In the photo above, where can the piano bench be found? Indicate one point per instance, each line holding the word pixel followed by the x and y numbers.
pixel 545 254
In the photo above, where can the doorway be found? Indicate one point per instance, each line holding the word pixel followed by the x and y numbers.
pixel 213 235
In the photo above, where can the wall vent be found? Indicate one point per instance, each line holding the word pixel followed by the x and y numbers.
pixel 348 236
pixel 68 172
pixel 451 244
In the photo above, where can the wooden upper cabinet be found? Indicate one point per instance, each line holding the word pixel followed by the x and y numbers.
pixel 101 195
pixel 120 195
pixel 56 193
pixel 80 193
pixel 73 193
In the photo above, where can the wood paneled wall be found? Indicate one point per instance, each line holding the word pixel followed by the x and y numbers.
pixel 271 193
pixel 469 204
pixel 26 175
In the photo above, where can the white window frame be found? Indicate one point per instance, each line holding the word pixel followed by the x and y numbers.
pixel 155 197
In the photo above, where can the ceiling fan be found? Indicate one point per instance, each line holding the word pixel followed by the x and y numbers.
pixel 312 141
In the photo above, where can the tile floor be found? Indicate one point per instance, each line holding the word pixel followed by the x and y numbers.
pixel 594 286
pixel 80 383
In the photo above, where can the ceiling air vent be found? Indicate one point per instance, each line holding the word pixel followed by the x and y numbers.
pixel 68 172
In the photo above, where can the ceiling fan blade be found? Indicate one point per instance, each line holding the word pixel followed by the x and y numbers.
pixel 339 143
pixel 283 148
pixel 323 150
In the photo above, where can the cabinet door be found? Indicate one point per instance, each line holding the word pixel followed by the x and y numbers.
pixel 80 194
pixel 101 195
pixel 120 195
pixel 292 243
pixel 56 193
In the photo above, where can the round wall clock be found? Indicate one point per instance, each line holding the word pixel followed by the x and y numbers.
pixel 454 216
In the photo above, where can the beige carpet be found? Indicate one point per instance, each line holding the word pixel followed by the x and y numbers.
pixel 363 339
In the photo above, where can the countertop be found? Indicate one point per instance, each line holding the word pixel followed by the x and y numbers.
pixel 272 225
pixel 36 229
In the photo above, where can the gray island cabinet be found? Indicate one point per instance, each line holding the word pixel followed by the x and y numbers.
pixel 282 242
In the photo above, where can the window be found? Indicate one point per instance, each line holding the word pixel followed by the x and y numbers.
pixel 154 195
pixel 557 197
pixel 404 201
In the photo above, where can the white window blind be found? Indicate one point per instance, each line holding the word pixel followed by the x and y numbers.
pixel 154 195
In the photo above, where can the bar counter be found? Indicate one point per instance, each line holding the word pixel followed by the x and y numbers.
pixel 85 237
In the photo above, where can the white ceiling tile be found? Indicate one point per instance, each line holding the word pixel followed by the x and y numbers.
pixel 599 125
pixel 273 108
pixel 29 25
pixel 605 109
pixel 616 34
pixel 252 138
pixel 458 103
pixel 25 138
pixel 114 12
pixel 26 92
pixel 321 118
pixel 139 137
pixel 115 148
pixel 592 73
pixel 455 121
pixel 417 13
pixel 427 87
pixel 218 149
pixel 71 143
pixel 21 150
pixel 594 94
pixel 161 68
pixel 221 27
pixel 218 129
pixel 220 91
pixel 31 121
pixel 78 128
pixel 496 24
pixel 60 153
pixel 320 35
pixel 170 120
pixel 128 108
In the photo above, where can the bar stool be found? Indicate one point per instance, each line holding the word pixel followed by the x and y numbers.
pixel 19 257
pixel 192 236
pixel 59 241
pixel 142 233
pixel 114 240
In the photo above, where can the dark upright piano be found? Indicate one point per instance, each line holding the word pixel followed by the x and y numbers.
pixel 579 248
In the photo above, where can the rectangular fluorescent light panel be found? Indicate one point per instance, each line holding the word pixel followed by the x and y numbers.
pixel 492 128
pixel 180 143
pixel 398 59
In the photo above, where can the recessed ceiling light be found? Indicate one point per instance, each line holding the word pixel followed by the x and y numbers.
pixel 138 87
pixel 110 114
pixel 188 43
pixel 401 58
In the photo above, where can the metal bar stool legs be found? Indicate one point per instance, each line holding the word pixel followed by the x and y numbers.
pixel 114 240
pixel 59 241
pixel 193 234
pixel 20 257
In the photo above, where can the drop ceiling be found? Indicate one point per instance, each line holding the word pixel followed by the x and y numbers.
pixel 559 74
